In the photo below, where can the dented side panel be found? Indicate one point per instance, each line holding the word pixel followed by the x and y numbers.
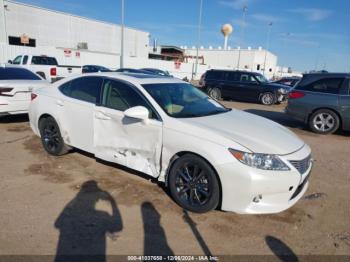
pixel 126 141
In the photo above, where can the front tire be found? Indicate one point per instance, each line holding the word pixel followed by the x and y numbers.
pixel 193 184
pixel 268 99
pixel 324 121
pixel 51 137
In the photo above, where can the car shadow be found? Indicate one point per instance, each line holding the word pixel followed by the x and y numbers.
pixel 283 119
pixel 14 119
pixel 83 228
pixel 280 249
pixel 126 169
pixel 279 117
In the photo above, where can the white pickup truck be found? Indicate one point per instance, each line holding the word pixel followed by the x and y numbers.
pixel 45 66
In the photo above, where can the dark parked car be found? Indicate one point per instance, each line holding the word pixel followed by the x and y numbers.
pixel 94 69
pixel 288 81
pixel 322 101
pixel 241 85
pixel 157 71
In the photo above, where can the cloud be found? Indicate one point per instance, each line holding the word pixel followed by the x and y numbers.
pixel 313 14
pixel 235 4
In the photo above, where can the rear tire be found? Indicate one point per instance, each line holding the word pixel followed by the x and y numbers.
pixel 215 93
pixel 51 137
pixel 193 184
pixel 324 121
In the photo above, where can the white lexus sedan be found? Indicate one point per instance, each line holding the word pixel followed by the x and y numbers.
pixel 16 85
pixel 208 156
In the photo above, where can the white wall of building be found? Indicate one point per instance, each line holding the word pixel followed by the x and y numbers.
pixel 2 22
pixel 57 29
pixel 249 59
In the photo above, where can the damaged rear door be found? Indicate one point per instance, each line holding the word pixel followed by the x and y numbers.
pixel 126 141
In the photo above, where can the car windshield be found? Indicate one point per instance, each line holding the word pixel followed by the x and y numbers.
pixel 10 73
pixel 183 100
pixel 261 78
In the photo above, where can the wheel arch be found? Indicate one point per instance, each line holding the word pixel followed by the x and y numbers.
pixel 182 153
pixel 47 115
pixel 326 108
pixel 43 116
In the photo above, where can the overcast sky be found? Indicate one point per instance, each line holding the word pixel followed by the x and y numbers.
pixel 304 34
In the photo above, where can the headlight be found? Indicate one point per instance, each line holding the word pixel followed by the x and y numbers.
pixel 282 91
pixel 260 161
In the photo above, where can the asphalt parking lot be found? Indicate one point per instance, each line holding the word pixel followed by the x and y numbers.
pixel 49 205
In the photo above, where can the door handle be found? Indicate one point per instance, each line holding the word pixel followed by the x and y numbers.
pixel 59 102
pixel 102 115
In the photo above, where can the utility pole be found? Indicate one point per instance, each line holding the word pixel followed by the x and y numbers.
pixel 245 9
pixel 199 37
pixel 267 45
pixel 122 36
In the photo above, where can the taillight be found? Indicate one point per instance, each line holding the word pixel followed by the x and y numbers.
pixel 4 90
pixel 296 94
pixel 33 96
pixel 53 71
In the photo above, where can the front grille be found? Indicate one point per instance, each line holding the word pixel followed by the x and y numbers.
pixel 301 165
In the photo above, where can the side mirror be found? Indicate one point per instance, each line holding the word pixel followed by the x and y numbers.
pixel 137 112
pixel 9 61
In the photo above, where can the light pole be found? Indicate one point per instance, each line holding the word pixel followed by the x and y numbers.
pixel 5 25
pixel 245 9
pixel 122 36
pixel 267 45
pixel 199 36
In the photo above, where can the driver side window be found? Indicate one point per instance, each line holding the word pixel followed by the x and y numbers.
pixel 121 96
pixel 247 78
pixel 17 60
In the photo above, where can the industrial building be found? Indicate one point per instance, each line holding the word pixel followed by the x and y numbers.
pixel 75 40
pixel 43 28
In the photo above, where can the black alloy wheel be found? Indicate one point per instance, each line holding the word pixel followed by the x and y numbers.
pixel 193 184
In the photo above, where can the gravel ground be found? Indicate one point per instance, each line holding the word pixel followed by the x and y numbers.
pixel 76 204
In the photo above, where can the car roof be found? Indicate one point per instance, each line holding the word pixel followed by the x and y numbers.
pixel 237 71
pixel 327 75
pixel 138 78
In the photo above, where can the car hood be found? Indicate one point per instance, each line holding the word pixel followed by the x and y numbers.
pixel 278 86
pixel 256 133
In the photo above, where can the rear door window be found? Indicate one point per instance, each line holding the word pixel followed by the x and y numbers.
pixel 25 60
pixel 233 76
pixel 44 60
pixel 326 85
pixel 215 75
pixel 86 89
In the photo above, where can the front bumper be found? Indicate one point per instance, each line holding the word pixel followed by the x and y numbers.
pixel 248 190
pixel 282 97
